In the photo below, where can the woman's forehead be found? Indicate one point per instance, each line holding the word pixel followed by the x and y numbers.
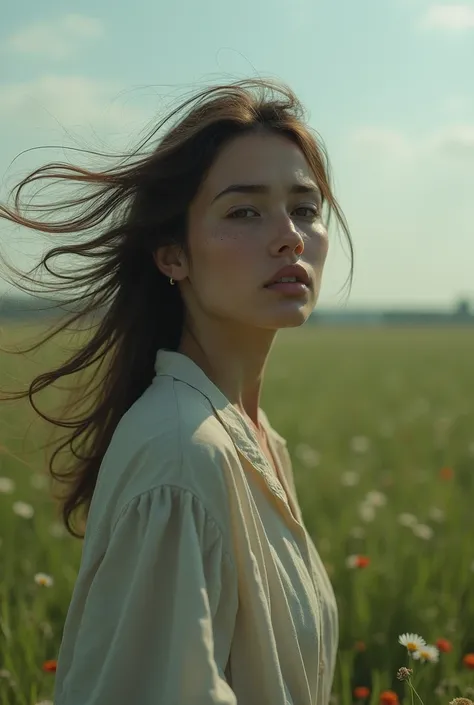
pixel 256 159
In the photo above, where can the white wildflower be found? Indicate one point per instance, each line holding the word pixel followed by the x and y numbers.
pixel 24 510
pixel 426 653
pixel 57 530
pixel 38 481
pixel 413 642
pixel 423 531
pixel 406 519
pixel 47 629
pixel 44 580
pixel 376 499
pixel 360 444
pixel 308 456
pixel 436 514
pixel 366 512
pixel 7 486
pixel 350 478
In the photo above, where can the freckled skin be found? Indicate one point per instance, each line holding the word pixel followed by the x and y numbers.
pixel 231 258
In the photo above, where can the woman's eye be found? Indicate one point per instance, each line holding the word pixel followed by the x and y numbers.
pixel 240 212
pixel 312 211
pixel 234 214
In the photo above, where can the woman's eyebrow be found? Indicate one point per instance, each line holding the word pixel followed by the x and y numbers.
pixel 309 187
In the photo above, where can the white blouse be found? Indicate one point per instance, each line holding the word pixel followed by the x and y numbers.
pixel 198 583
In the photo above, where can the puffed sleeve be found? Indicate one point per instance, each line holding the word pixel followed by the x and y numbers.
pixel 157 621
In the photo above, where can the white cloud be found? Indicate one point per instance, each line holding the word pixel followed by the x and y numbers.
pixel 392 143
pixel 453 141
pixel 71 100
pixel 56 39
pixel 454 18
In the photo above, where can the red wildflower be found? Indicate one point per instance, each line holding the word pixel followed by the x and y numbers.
pixel 468 660
pixel 446 473
pixel 388 697
pixel 50 666
pixel 444 645
pixel 360 646
pixel 361 692
pixel 356 561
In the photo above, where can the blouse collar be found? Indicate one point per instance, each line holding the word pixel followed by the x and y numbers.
pixel 179 366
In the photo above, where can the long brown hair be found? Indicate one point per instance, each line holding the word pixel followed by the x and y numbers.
pixel 139 205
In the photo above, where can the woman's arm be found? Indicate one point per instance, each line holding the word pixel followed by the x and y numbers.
pixel 152 623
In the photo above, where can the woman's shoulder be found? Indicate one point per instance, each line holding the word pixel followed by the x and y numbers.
pixel 170 438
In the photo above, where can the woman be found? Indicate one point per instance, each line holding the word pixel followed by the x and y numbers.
pixel 198 583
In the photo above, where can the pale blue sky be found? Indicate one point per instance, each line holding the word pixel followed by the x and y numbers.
pixel 387 83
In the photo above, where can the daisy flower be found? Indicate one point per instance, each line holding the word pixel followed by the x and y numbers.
pixel 426 653
pixel 413 642
pixel 44 580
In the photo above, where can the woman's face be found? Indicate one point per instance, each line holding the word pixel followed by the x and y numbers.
pixel 238 241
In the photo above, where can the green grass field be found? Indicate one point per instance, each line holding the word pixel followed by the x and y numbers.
pixel 383 411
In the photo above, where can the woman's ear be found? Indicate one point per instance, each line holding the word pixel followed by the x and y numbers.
pixel 171 261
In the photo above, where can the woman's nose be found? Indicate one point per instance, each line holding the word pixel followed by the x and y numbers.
pixel 288 235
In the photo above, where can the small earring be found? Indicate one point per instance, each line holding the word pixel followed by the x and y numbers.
pixel 172 281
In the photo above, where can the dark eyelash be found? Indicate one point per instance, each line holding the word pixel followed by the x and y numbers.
pixel 315 211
